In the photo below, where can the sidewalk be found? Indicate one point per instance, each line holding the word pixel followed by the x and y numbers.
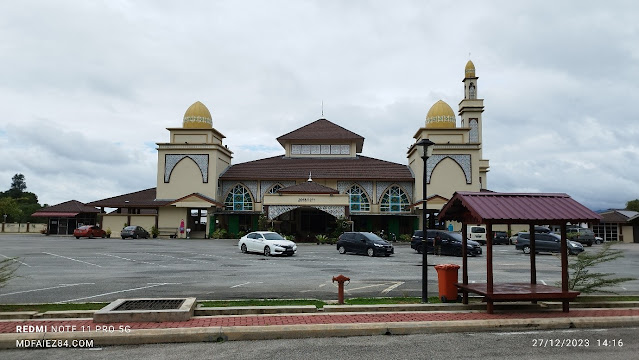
pixel 320 324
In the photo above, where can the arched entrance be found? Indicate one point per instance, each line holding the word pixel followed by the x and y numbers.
pixel 305 221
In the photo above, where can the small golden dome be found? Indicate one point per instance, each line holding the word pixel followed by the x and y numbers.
pixel 470 69
pixel 197 116
pixel 440 116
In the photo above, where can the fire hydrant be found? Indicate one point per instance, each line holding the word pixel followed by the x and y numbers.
pixel 341 279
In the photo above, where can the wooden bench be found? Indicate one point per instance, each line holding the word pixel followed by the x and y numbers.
pixel 519 292
pixel 168 231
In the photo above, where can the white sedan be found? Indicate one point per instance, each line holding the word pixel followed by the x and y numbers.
pixel 267 243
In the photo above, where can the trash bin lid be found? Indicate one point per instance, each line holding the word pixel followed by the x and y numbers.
pixel 447 267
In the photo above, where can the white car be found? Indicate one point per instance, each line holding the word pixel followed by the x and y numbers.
pixel 599 240
pixel 267 243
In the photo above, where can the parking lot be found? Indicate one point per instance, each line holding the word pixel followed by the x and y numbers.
pixel 64 269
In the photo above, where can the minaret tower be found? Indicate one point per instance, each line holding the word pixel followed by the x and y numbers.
pixel 471 107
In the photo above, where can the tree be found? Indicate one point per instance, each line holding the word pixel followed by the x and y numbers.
pixel 633 205
pixel 583 280
pixel 10 207
pixel 18 185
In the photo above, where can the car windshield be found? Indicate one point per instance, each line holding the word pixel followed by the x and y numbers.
pixel 129 228
pixel 374 238
pixel 478 230
pixel 273 236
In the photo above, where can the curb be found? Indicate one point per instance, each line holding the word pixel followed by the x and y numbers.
pixel 237 333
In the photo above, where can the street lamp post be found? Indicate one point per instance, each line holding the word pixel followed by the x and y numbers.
pixel 425 149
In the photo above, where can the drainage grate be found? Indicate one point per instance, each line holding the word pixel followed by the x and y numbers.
pixel 150 305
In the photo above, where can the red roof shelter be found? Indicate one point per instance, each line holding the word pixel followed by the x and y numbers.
pixel 507 208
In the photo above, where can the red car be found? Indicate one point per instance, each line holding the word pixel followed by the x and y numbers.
pixel 89 231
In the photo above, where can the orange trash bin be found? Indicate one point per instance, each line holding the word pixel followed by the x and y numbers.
pixel 447 277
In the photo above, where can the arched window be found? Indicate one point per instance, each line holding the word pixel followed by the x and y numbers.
pixel 472 92
pixel 358 199
pixel 239 199
pixel 275 189
pixel 394 200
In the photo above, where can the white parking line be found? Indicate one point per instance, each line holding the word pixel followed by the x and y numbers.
pixel 16 260
pixel 173 257
pixel 140 261
pixel 392 287
pixel 64 257
pixel 49 288
pixel 116 292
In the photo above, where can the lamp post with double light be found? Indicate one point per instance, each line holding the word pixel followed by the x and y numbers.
pixel 425 149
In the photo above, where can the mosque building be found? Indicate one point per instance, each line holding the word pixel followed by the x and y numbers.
pixel 321 176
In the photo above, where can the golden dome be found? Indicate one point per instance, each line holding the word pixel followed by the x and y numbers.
pixel 440 116
pixel 197 116
pixel 470 69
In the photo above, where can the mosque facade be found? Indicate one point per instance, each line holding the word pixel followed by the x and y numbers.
pixel 321 176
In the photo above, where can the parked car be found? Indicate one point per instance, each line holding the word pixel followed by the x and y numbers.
pixel 582 235
pixel 267 243
pixel 599 240
pixel 500 237
pixel 89 231
pixel 364 243
pixel 451 243
pixel 134 232
pixel 477 233
pixel 546 243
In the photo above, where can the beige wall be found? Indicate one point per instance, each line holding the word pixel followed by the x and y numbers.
pixel 22 228
pixel 170 217
pixel 114 222
pixel 628 234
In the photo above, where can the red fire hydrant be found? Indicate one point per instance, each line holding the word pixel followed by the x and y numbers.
pixel 341 279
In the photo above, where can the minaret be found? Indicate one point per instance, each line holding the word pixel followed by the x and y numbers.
pixel 471 107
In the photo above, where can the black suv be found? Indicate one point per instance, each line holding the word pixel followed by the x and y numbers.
pixel 500 237
pixel 364 243
pixel 451 243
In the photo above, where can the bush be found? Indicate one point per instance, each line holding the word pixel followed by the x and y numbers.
pixel 219 234
pixel 405 238
pixel 582 280
pixel 322 239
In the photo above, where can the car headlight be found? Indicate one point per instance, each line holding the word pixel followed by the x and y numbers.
pixel 379 245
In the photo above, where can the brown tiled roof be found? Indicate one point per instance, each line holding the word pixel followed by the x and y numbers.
pixel 508 208
pixel 308 187
pixel 322 129
pixel 68 207
pixel 282 168
pixel 142 198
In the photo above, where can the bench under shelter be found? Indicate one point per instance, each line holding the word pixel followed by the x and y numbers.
pixel 492 208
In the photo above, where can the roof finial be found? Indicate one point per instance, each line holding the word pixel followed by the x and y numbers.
pixel 309 177
pixel 322 109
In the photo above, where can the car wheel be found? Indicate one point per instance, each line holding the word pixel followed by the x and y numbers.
pixel 77 237
pixel 370 252
pixel 597 242
pixel 103 236
pixel 243 248
pixel 267 251
pixel 135 236
pixel 123 238
pixel 526 249
pixel 589 244
pixel 342 250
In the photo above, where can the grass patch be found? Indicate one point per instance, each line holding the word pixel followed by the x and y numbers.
pixel 275 302
pixel 53 307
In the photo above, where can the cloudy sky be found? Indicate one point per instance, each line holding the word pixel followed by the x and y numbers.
pixel 88 87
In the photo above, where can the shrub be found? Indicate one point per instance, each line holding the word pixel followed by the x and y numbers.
pixel 219 234
pixel 582 280
pixel 322 239
pixel 404 238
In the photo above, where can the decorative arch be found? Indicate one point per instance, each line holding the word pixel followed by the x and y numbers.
pixel 358 199
pixel 276 210
pixel 394 199
pixel 472 91
pixel 462 160
pixel 201 160
pixel 239 198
